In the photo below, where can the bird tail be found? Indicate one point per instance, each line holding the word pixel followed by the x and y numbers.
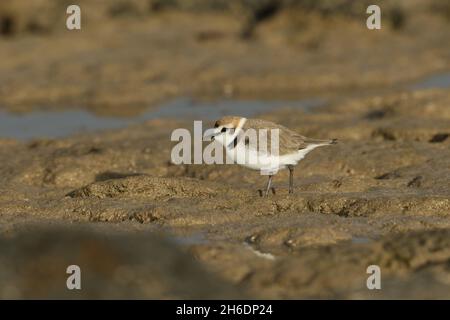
pixel 322 142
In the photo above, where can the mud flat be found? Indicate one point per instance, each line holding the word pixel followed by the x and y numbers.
pixel 381 196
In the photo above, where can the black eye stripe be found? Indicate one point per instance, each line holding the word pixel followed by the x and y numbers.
pixel 223 129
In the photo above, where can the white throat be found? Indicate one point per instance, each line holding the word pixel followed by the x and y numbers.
pixel 229 141
pixel 238 128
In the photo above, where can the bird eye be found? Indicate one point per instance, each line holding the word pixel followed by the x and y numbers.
pixel 224 129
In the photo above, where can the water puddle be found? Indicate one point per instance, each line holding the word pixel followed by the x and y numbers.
pixel 51 124
pixel 438 81
pixel 188 108
pixel 54 124
pixel 189 240
pixel 361 240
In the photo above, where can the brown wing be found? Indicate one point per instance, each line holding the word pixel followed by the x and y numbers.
pixel 289 141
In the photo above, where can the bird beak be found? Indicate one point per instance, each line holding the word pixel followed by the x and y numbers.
pixel 211 133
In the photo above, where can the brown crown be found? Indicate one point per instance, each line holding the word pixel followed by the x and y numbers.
pixel 229 121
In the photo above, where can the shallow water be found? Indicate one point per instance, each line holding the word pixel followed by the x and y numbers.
pixel 438 81
pixel 188 108
pixel 192 239
pixel 361 240
pixel 51 124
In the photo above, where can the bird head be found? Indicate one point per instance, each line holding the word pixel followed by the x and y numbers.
pixel 226 129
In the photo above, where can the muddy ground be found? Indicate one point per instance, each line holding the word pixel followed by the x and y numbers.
pixel 142 227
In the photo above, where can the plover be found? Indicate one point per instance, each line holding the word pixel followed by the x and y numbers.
pixel 284 148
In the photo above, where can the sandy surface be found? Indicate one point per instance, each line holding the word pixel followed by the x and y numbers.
pixel 381 196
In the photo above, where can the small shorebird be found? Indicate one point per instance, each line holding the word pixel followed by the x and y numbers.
pixel 288 149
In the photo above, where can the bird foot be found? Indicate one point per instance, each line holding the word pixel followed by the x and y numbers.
pixel 262 193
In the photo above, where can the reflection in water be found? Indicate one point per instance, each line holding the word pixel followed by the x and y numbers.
pixel 63 123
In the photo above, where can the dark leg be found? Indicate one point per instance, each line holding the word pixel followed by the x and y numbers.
pixel 269 182
pixel 291 179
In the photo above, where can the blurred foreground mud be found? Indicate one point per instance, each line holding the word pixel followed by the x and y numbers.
pixel 113 266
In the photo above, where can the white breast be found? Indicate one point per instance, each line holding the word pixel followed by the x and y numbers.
pixel 256 160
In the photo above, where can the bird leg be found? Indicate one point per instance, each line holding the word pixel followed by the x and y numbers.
pixel 291 179
pixel 269 182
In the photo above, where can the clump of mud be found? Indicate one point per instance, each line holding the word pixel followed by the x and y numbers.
pixel 151 188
